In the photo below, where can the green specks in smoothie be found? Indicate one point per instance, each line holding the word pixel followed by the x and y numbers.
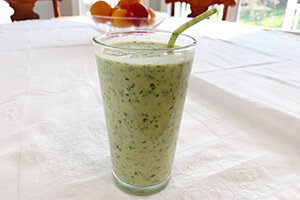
pixel 151 77
pixel 138 129
pixel 145 114
pixel 130 87
pixel 152 86
pixel 118 147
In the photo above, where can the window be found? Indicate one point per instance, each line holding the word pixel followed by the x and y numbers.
pixel 269 13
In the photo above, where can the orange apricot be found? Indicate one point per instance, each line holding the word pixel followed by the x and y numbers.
pixel 119 18
pixel 152 17
pixel 115 8
pixel 101 8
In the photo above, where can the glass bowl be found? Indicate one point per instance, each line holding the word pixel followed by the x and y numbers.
pixel 104 22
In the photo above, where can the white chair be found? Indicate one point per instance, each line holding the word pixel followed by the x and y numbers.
pixel 197 7
pixel 291 16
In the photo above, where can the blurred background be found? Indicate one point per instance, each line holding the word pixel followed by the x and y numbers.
pixel 274 14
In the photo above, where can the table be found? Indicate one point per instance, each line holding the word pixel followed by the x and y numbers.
pixel 240 133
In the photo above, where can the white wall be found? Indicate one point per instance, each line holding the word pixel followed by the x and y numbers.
pixel 5 12
pixel 155 4
pixel 45 8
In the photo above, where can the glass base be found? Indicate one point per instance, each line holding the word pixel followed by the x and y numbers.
pixel 142 191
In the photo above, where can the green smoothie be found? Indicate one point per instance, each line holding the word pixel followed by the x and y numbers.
pixel 143 85
pixel 143 107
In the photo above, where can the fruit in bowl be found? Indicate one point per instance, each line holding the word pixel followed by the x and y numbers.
pixel 130 14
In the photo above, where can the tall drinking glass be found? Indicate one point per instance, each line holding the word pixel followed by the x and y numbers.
pixel 143 86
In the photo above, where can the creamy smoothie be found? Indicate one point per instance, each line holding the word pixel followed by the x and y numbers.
pixel 143 107
pixel 143 91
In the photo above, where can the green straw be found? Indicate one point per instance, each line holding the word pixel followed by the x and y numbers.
pixel 190 23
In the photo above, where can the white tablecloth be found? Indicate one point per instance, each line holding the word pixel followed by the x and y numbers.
pixel 240 134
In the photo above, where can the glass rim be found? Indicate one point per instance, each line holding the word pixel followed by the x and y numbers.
pixel 192 44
